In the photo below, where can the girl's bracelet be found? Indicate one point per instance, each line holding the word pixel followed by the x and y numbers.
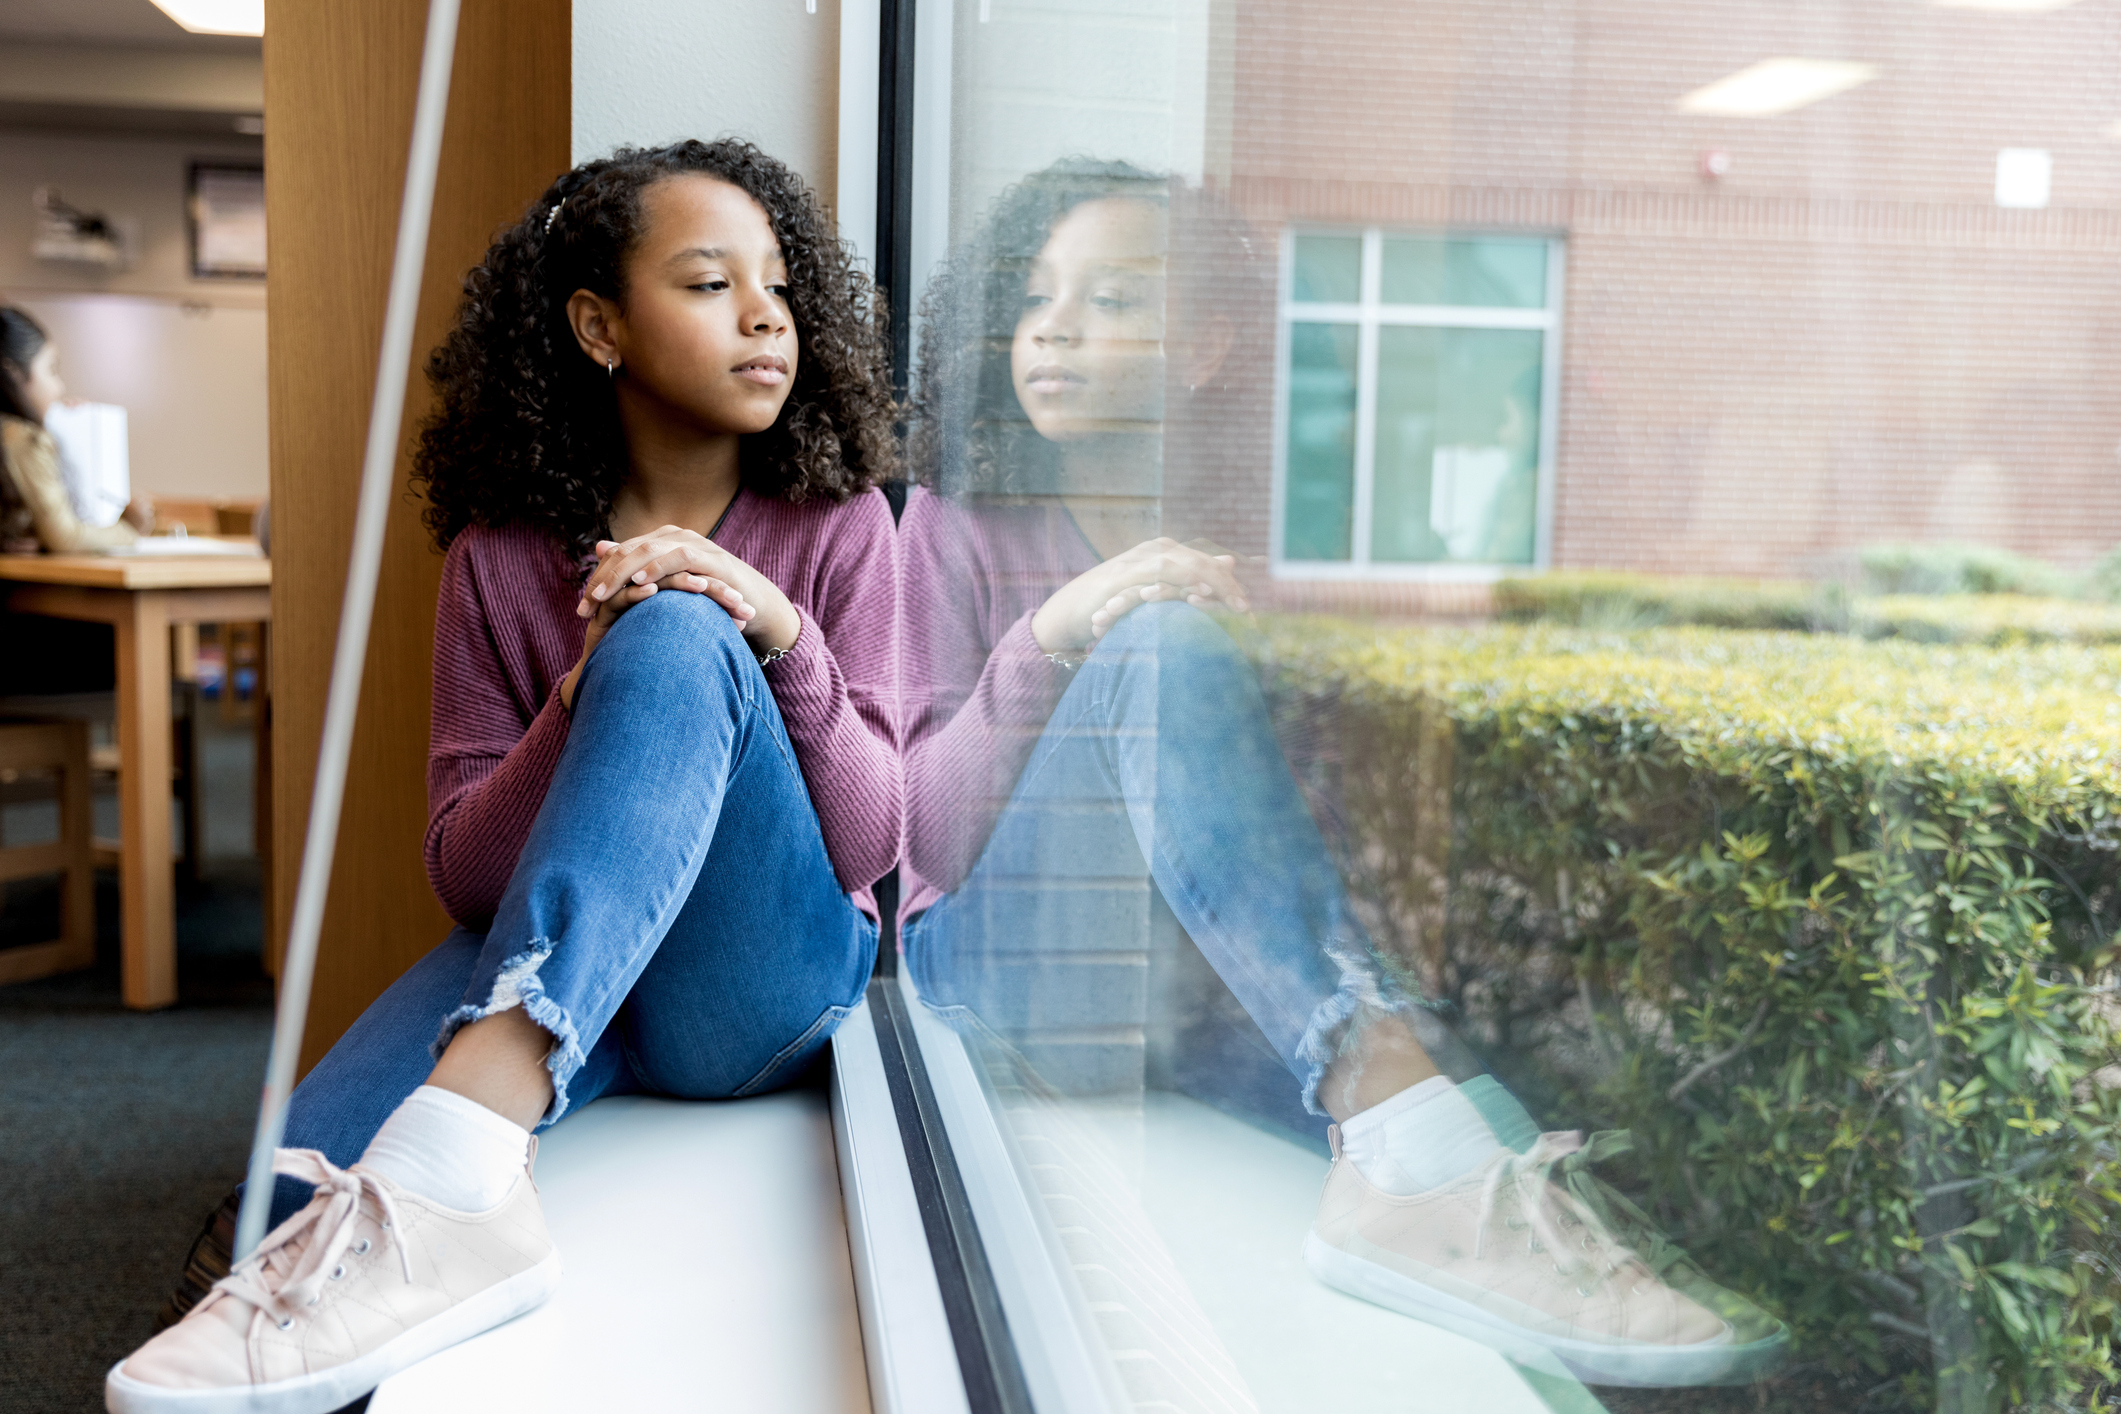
pixel 1070 661
pixel 772 655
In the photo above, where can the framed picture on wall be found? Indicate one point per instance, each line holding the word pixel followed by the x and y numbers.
pixel 225 203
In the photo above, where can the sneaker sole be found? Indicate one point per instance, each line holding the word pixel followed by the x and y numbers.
pixel 327 1390
pixel 1638 1366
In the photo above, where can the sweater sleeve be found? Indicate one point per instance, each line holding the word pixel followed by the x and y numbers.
pixel 33 465
pixel 974 707
pixel 490 756
pixel 837 689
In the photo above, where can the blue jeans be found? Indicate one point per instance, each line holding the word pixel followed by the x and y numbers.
pixel 1159 760
pixel 673 921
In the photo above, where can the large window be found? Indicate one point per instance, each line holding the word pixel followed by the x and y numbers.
pixel 1416 401
pixel 1655 798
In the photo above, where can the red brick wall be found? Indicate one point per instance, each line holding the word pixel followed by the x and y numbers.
pixel 1843 341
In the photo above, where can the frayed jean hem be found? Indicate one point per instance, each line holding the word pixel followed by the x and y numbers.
pixel 517 984
pixel 1363 986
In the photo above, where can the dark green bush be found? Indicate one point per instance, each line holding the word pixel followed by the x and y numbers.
pixel 1599 599
pixel 1827 924
pixel 1997 620
pixel 1613 599
pixel 1960 569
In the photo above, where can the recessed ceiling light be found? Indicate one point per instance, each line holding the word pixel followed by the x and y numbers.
pixel 2011 6
pixel 2024 177
pixel 216 16
pixel 1775 86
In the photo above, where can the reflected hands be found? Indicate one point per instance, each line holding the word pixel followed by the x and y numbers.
pixel 671 557
pixel 1086 608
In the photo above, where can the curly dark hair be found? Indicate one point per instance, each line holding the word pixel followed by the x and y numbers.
pixel 969 433
pixel 527 432
pixel 21 340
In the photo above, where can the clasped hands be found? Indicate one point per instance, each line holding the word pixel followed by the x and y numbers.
pixel 1087 607
pixel 671 557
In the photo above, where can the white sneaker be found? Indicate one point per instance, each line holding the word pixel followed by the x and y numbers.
pixel 1510 1258
pixel 365 1281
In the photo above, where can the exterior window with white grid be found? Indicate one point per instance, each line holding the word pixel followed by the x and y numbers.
pixel 1416 410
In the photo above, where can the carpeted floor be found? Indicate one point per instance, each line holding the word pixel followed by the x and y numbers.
pixel 120 1130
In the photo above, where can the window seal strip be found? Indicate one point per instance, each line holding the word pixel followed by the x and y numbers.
pixel 906 1339
pixel 987 1358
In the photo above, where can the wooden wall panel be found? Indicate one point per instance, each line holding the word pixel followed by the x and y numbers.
pixel 339 86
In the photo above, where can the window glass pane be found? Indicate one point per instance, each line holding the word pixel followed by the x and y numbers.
pixel 1328 270
pixel 1493 272
pixel 1457 445
pixel 1704 940
pixel 1321 465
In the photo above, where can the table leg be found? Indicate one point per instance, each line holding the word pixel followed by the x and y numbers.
pixel 147 884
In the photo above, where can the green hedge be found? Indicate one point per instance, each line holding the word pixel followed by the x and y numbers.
pixel 1996 620
pixel 1966 569
pixel 1613 600
pixel 1827 924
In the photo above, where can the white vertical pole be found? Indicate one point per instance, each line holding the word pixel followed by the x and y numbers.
pixel 378 472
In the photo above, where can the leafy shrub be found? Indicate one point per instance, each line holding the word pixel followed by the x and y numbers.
pixel 2104 581
pixel 1612 599
pixel 1598 599
pixel 1960 569
pixel 1997 620
pixel 1827 924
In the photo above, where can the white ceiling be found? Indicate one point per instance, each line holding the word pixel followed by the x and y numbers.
pixel 128 23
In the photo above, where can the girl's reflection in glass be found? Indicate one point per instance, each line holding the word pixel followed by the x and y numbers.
pixel 1080 727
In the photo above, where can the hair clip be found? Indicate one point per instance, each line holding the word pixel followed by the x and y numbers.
pixel 554 214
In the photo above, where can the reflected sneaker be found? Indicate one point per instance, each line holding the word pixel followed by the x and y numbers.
pixel 1509 1258
pixel 365 1281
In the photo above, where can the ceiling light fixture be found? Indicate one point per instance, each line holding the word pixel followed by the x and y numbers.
pixel 216 16
pixel 1775 86
pixel 2024 177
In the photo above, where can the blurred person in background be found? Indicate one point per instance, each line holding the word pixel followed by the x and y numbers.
pixel 43 655
pixel 35 510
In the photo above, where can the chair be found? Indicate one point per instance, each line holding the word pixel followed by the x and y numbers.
pixel 40 746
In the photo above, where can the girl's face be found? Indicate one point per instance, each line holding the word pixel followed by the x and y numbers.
pixel 38 386
pixel 1088 356
pixel 705 330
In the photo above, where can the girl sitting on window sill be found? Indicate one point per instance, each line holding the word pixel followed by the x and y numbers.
pixel 658 794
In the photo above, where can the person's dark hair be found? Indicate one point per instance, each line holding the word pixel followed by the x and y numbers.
pixel 21 340
pixel 969 433
pixel 527 430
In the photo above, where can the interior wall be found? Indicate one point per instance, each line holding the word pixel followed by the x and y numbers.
pixel 190 376
pixel 340 77
pixel 648 72
pixel 185 357
pixel 136 181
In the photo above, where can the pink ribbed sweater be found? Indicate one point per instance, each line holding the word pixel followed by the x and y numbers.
pixel 506 633
pixel 978 688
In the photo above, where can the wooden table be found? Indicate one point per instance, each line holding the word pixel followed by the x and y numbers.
pixel 141 596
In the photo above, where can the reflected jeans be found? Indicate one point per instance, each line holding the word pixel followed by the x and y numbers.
pixel 1158 759
pixel 673 920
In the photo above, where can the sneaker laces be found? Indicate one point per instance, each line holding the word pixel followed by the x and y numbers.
pixel 1527 1178
pixel 276 1278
